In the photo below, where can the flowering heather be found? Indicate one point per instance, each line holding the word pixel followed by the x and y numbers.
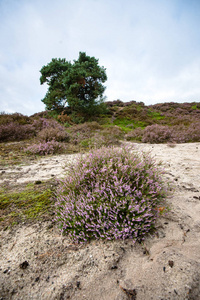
pixel 156 134
pixel 15 132
pixel 135 135
pixel 50 133
pixel 110 193
pixel 45 148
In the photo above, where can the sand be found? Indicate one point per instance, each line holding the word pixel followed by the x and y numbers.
pixel 36 262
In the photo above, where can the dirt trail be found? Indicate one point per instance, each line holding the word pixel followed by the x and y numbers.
pixel 36 262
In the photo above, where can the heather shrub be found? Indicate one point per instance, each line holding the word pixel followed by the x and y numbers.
pixel 135 135
pixel 41 123
pixel 45 148
pixel 110 193
pixel 106 137
pixel 15 117
pixel 100 139
pixel 85 127
pixel 157 134
pixel 16 127
pixel 80 132
pixel 16 132
pixel 58 134
pixel 114 131
pixel 193 132
pixel 42 114
pixel 49 129
pixel 185 134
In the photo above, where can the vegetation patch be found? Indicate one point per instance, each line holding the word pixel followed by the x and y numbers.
pixel 110 193
pixel 32 202
pixel 128 124
pixel 155 115
pixel 12 153
pixel 45 148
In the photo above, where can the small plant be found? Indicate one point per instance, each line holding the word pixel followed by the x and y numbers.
pixel 45 148
pixel 110 193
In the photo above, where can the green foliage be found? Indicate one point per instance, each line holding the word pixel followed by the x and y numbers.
pixel 128 124
pixel 196 106
pixel 77 85
pixel 155 115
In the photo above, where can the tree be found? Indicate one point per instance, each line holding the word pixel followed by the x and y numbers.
pixel 77 85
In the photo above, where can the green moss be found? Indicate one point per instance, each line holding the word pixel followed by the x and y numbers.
pixel 30 203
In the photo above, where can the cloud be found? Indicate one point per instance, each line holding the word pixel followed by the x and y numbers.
pixel 149 48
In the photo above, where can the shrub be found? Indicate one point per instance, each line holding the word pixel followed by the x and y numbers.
pixel 114 131
pixel 50 129
pixel 16 132
pixel 135 135
pixel 16 117
pixel 42 114
pixel 156 134
pixel 110 193
pixel 85 127
pixel 64 118
pixel 83 131
pixel 99 140
pixel 58 134
pixel 45 148
pixel 184 134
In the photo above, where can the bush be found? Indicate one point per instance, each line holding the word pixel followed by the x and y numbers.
pixel 83 131
pixel 16 132
pixel 58 134
pixel 157 134
pixel 110 194
pixel 45 148
pixel 16 118
pixel 135 135
pixel 114 131
pixel 100 139
pixel 185 134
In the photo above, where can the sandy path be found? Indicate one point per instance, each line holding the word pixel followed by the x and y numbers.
pixel 166 266
pixel 43 169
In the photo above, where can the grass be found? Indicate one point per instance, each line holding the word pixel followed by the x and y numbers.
pixel 12 153
pixel 128 124
pixel 155 115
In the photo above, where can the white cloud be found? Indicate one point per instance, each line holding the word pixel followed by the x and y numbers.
pixel 149 48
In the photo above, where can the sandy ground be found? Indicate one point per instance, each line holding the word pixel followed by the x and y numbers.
pixel 36 262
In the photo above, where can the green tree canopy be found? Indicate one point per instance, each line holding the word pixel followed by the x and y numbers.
pixel 77 85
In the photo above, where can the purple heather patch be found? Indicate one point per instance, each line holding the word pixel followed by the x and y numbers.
pixel 110 193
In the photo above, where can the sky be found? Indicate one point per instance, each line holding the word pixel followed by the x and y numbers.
pixel 150 48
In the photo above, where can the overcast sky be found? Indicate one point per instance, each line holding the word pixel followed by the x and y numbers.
pixel 150 48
